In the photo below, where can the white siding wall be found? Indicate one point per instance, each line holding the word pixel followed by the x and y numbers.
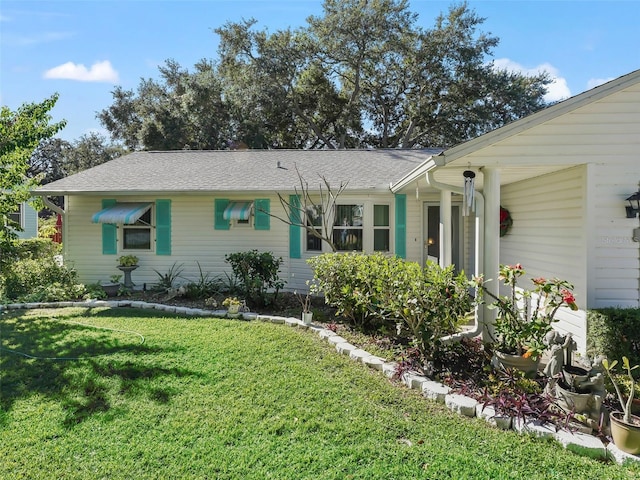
pixel 549 236
pixel 414 224
pixel 193 239
pixel 614 263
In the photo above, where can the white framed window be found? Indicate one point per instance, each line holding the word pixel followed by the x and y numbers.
pixel 348 227
pixel 314 220
pixel 137 236
pixel 18 215
pixel 381 228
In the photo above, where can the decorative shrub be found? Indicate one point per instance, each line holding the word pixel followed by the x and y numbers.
pixel 431 301
pixel 40 280
pixel 615 333
pixel 353 283
pixel 257 276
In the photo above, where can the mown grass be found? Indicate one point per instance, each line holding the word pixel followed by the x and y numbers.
pixel 217 399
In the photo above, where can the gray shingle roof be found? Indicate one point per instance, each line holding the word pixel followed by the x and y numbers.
pixel 191 171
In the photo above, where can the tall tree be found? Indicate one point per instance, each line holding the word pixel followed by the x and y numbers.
pixel 185 110
pixel 88 151
pixel 362 74
pixel 20 133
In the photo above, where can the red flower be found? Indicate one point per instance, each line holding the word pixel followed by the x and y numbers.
pixel 539 281
pixel 569 299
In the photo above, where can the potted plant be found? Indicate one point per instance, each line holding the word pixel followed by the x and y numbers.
pixel 128 261
pixel 525 316
pixel 625 427
pixel 232 304
pixel 127 264
pixel 305 302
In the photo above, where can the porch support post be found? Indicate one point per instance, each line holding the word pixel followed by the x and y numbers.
pixel 445 228
pixel 491 244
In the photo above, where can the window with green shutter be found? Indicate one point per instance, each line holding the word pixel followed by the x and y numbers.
pixel 109 232
pixel 219 222
pixel 295 247
pixel 163 227
pixel 401 225
pixel 262 217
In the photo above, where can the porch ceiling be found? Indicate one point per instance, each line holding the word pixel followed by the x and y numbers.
pixel 452 175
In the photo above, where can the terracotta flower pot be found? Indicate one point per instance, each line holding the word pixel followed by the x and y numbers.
pixel 626 436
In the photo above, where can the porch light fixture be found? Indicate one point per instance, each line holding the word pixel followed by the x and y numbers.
pixel 634 205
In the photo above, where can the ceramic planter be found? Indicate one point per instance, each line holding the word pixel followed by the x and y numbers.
pixel 518 362
pixel 307 317
pixel 233 309
pixel 626 436
pixel 111 289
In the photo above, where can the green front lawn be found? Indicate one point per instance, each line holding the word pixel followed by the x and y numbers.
pixel 218 399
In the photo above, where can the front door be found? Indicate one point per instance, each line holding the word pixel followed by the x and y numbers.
pixel 431 234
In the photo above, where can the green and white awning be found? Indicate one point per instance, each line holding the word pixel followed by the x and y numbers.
pixel 125 212
pixel 238 211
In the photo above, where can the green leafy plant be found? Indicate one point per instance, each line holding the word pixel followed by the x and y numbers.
pixel 432 301
pixel 624 403
pixel 257 275
pixel 36 274
pixel 525 316
pixel 614 332
pixel 354 284
pixel 168 278
pixel 115 278
pixel 128 260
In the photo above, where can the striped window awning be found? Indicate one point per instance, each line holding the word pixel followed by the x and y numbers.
pixel 238 211
pixel 125 212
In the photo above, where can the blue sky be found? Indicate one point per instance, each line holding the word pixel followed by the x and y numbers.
pixel 82 49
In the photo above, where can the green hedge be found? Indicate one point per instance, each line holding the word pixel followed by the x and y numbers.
pixel 614 332
pixel 366 289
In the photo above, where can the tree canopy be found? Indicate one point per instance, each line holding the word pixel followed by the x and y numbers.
pixel 20 133
pixel 364 74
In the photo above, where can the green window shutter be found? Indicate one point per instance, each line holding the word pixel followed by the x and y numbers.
pixel 163 227
pixel 401 225
pixel 295 247
pixel 109 232
pixel 219 223
pixel 262 219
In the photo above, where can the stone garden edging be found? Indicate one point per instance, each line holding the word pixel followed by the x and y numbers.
pixel 578 442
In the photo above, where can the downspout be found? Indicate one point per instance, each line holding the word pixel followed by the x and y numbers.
pixel 52 206
pixel 478 312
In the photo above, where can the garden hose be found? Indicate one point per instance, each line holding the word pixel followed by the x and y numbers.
pixel 33 357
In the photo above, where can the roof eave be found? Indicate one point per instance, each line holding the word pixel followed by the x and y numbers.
pixel 544 115
pixel 418 172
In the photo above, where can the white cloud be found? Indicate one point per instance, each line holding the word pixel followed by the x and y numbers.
pixel 99 72
pixel 595 82
pixel 556 90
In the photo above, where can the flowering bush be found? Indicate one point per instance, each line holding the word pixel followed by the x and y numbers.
pixel 525 316
pixel 230 301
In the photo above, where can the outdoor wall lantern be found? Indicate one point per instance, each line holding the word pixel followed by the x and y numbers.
pixel 634 205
